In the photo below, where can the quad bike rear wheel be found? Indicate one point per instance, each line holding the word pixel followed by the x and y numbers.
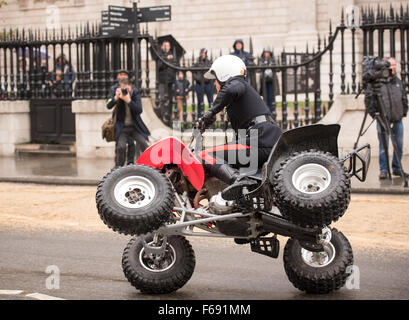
pixel 134 199
pixel 312 188
pixel 319 272
pixel 158 274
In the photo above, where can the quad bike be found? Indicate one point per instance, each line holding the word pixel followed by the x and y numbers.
pixel 302 189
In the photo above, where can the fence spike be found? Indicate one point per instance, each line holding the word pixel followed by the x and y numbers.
pixel 391 13
pixel 378 16
pixel 401 12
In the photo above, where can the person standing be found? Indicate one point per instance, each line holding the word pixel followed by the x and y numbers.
pixel 67 70
pixel 394 97
pixel 202 85
pixel 238 47
pixel 268 78
pixel 181 87
pixel 166 78
pixel 129 125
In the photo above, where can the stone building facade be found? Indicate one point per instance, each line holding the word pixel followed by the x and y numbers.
pixel 195 23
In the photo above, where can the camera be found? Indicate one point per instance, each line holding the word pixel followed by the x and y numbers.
pixel 124 91
pixel 374 69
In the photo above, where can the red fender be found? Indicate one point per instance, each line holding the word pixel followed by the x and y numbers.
pixel 207 156
pixel 172 150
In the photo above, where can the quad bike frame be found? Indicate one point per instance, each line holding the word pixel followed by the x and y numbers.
pixel 264 219
pixel 302 189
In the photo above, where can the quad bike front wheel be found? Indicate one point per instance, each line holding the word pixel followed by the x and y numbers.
pixel 319 272
pixel 312 188
pixel 134 199
pixel 160 273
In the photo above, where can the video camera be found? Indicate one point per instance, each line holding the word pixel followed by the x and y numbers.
pixel 375 70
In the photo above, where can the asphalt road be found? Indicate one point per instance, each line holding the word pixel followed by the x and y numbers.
pixel 90 268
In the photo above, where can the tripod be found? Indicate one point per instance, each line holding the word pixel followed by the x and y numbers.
pixel 384 122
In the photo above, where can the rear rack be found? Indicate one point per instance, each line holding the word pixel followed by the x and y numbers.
pixel 358 165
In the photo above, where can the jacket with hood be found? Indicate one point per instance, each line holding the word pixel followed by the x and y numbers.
pixel 243 55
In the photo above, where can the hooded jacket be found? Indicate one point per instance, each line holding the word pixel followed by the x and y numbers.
pixel 243 55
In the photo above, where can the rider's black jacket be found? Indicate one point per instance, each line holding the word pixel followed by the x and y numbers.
pixel 243 104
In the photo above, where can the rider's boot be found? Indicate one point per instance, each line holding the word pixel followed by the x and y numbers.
pixel 232 177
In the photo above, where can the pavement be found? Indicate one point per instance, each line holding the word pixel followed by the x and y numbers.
pixel 73 171
pixel 88 267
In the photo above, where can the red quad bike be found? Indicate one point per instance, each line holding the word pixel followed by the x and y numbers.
pixel 302 189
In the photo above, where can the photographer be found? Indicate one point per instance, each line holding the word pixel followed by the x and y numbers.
pixel 394 98
pixel 129 126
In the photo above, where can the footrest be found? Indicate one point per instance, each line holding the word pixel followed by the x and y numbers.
pixel 267 246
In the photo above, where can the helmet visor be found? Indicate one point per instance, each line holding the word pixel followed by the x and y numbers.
pixel 210 75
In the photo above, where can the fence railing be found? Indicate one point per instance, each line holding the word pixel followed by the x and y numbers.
pixel 81 64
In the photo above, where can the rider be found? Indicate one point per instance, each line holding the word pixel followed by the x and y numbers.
pixel 246 110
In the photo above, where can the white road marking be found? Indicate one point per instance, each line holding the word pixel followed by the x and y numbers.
pixel 10 292
pixel 40 296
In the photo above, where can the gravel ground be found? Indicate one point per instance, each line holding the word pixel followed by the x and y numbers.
pixel 372 221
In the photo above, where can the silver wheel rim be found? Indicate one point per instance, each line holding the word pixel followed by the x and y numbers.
pixel 157 263
pixel 134 192
pixel 319 259
pixel 311 178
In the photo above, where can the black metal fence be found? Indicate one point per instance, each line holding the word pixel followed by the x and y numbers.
pixel 81 64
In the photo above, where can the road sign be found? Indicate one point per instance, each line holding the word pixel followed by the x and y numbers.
pixel 109 31
pixel 121 15
pixel 121 21
pixel 104 18
pixel 154 14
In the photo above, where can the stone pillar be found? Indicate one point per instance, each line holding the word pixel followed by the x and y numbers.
pixel 14 125
pixel 89 117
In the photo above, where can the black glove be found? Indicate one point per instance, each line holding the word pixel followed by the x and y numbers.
pixel 207 120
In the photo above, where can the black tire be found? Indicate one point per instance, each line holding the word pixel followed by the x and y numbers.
pixel 119 209
pixel 320 204
pixel 175 275
pixel 318 280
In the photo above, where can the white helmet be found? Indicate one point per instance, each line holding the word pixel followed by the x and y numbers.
pixel 226 67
